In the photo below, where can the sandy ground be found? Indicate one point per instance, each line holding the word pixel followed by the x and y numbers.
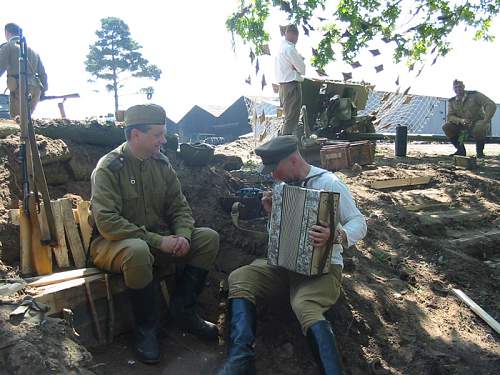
pixel 396 314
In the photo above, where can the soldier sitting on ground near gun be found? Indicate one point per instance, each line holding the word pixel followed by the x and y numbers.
pixel 144 221
pixel 310 296
pixel 468 112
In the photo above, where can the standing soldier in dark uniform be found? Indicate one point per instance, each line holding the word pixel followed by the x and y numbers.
pixel 468 111
pixel 143 221
pixel 9 61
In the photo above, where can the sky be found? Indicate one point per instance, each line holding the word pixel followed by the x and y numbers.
pixel 189 42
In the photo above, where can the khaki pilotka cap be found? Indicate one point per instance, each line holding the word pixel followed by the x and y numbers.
pixel 276 150
pixel 145 114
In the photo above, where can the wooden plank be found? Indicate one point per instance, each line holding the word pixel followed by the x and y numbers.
pixel 53 288
pixel 61 250
pixel 25 243
pixel 71 293
pixel 477 309
pixel 426 206
pixel 74 240
pixel 68 294
pixel 400 182
pixel 83 209
pixel 60 277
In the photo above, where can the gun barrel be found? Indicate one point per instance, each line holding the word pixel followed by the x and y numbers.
pixel 69 96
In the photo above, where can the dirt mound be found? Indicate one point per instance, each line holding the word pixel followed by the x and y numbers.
pixel 396 314
pixel 36 344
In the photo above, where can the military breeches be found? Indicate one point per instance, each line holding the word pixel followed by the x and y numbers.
pixel 135 259
pixel 291 101
pixel 14 109
pixel 479 131
pixel 310 297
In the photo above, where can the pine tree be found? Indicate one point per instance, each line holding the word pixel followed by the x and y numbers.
pixel 115 54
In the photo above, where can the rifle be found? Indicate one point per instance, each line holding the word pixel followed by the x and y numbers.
pixel 33 176
pixel 68 96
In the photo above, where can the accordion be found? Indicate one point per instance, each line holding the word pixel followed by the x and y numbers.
pixel 295 210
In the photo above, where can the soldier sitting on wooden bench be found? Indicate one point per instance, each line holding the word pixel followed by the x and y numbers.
pixel 310 296
pixel 144 220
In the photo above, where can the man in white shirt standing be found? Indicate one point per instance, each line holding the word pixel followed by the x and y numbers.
pixel 310 296
pixel 289 69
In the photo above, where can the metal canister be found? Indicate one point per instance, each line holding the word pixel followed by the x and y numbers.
pixel 401 140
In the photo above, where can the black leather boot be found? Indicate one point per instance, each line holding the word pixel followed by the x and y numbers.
pixel 322 341
pixel 459 146
pixel 183 303
pixel 145 306
pixel 240 354
pixel 480 149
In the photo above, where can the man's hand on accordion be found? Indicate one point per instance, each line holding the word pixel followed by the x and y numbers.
pixel 267 201
pixel 319 234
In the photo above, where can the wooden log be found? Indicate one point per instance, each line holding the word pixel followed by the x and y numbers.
pixel 74 240
pixel 477 309
pixel 83 210
pixel 60 277
pixel 25 243
pixel 61 250
pixel 400 182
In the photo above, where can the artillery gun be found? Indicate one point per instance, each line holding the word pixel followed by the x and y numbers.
pixel 330 111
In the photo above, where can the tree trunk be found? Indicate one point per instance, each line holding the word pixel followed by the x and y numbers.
pixel 115 80
pixel 115 89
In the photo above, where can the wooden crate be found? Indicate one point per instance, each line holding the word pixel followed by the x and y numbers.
pixel 334 157
pixel 362 153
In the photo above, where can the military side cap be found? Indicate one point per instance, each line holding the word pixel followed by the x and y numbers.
pixel 145 114
pixel 274 151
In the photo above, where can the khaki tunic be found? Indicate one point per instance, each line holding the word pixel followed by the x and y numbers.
pixel 134 204
pixel 37 81
pixel 477 108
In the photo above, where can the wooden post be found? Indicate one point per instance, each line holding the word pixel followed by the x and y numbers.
pixel 478 310
pixel 61 109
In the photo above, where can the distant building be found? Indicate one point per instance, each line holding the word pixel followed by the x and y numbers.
pixel 199 123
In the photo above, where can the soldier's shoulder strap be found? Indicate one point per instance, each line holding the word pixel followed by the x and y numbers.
pixel 161 157
pixel 114 160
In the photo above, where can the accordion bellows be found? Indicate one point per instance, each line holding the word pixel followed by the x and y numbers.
pixel 295 210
